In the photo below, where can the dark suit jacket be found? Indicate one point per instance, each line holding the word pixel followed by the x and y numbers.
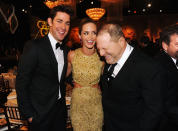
pixel 37 82
pixel 171 93
pixel 133 101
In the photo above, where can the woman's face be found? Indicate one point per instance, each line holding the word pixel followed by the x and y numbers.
pixel 88 35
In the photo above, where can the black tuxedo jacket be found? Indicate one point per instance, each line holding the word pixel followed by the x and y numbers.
pixel 37 83
pixel 133 100
pixel 171 93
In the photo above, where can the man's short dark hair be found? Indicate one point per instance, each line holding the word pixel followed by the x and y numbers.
pixel 168 32
pixel 62 8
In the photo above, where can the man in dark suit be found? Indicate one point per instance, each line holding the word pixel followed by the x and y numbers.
pixel 132 92
pixel 168 57
pixel 41 73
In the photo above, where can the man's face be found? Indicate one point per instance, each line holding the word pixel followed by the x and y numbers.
pixel 112 51
pixel 59 26
pixel 172 48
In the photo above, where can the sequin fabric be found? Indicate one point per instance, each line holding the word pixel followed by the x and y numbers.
pixel 86 108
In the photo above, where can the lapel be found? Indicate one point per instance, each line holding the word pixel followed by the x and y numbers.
pixel 104 77
pixel 103 80
pixel 106 70
pixel 51 57
pixel 50 54
pixel 169 62
pixel 65 51
pixel 129 64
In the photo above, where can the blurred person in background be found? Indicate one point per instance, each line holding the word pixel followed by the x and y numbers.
pixel 168 58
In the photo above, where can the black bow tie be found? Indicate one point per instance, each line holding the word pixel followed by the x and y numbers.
pixel 59 45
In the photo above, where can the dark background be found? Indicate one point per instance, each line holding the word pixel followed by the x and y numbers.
pixel 38 9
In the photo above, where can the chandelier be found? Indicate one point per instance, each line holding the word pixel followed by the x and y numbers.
pixel 52 3
pixel 95 13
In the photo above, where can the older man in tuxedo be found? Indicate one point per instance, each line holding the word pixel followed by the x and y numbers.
pixel 132 92
pixel 168 57
pixel 41 73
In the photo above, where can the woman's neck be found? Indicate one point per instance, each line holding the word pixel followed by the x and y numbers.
pixel 87 51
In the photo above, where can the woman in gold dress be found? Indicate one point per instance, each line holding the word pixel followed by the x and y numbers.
pixel 86 110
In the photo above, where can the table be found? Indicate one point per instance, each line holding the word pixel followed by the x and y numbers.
pixel 12 99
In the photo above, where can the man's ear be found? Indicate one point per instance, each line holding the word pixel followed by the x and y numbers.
pixel 122 41
pixel 49 21
pixel 165 46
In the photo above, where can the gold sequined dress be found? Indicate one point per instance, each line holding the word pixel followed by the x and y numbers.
pixel 86 108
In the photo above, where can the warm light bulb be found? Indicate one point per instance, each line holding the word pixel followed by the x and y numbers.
pixel 95 13
pixel 149 5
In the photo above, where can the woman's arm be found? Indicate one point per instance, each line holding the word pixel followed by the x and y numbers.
pixel 69 60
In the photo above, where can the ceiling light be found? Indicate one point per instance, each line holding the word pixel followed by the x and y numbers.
pixel 149 5
pixel 50 4
pixel 95 13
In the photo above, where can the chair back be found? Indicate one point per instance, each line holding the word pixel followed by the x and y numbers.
pixel 14 119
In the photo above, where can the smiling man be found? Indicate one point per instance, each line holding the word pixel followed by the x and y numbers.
pixel 131 93
pixel 41 72
pixel 168 58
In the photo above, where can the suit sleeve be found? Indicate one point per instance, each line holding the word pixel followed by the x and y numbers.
pixel 26 68
pixel 153 85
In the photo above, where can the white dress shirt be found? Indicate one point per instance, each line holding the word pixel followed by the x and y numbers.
pixel 174 60
pixel 59 57
pixel 122 60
